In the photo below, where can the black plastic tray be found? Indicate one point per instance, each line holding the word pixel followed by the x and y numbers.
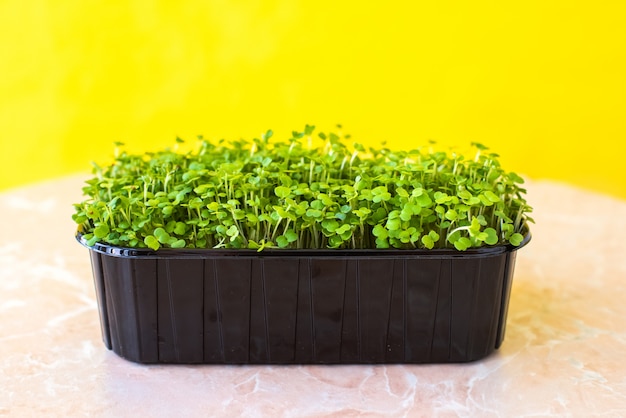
pixel 303 306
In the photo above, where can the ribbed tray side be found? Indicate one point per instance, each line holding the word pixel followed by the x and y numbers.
pixel 180 287
pixel 507 284
pixel 250 309
pixel 374 287
pixel 279 283
pixel 233 307
pixel 100 289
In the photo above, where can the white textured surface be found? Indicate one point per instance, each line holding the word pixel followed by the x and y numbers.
pixel 564 352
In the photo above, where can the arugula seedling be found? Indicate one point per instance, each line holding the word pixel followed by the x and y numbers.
pixel 268 193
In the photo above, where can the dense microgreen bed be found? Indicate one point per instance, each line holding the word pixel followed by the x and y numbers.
pixel 296 194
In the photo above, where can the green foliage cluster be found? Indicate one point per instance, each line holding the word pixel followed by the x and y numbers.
pixel 293 194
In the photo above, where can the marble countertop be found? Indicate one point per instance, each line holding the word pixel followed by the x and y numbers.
pixel 564 352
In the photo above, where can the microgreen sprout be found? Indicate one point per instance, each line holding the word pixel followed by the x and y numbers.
pixel 292 194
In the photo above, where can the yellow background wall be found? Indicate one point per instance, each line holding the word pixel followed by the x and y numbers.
pixel 540 82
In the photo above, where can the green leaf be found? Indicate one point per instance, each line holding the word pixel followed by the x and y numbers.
pixel 428 241
pixel 380 232
pixel 282 213
pixel 380 194
pixel 406 214
pixel 178 243
pixel 358 147
pixel 282 192
pixel 91 240
pixel 393 224
pixel 452 215
pixel 475 226
pixel 101 231
pixel 454 237
pixel 335 241
pixel 515 178
pixel 441 197
pixel 79 218
pixel 516 239
pixel 314 213
pixel 485 200
pixel 492 196
pixel 180 228
pixel 462 244
pixel 162 235
pixel 480 146
pixel 151 242
pixel 424 200
pixel 402 192
pixel 434 236
pixel 382 243
pixel 330 225
pixel 282 241
pixel 291 235
pixel 343 229
pixel 464 194
pixel 492 236
pixel 170 226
